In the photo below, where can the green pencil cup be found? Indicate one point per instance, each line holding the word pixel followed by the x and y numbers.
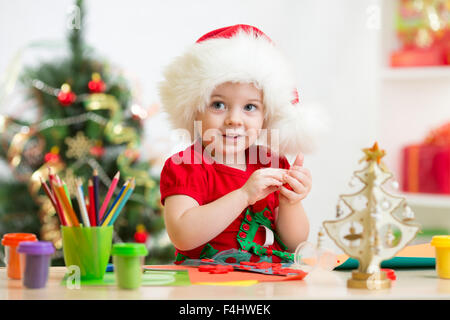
pixel 89 248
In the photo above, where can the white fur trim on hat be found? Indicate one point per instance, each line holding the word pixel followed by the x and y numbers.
pixel 246 58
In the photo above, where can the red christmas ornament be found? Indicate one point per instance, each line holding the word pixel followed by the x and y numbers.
pixel 53 155
pixel 65 96
pixel 96 85
pixel 141 234
pixel 97 151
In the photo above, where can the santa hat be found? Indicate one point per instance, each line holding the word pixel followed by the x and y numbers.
pixel 239 53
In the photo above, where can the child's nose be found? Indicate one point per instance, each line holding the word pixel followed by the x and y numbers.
pixel 234 118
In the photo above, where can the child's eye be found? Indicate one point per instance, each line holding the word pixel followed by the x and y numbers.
pixel 250 107
pixel 218 105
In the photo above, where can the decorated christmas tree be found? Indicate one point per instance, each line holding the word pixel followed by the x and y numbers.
pixel 372 224
pixel 84 120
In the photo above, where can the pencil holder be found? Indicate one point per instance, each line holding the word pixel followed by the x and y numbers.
pixel 88 248
pixel 11 241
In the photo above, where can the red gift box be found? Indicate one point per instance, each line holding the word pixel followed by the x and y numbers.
pixel 435 56
pixel 426 168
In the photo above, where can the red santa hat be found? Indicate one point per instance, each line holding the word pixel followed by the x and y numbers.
pixel 240 53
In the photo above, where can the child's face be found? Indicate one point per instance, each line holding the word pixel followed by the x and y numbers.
pixel 233 118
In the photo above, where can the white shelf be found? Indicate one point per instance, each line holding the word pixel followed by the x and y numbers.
pixel 427 200
pixel 416 73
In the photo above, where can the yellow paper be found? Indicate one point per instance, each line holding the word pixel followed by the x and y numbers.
pixel 242 283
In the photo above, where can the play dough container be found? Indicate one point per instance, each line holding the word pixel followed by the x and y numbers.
pixel 36 255
pixel 128 261
pixel 12 258
pixel 442 247
pixel 87 248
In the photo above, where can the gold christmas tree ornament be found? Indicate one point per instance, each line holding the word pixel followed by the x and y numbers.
pixel 371 232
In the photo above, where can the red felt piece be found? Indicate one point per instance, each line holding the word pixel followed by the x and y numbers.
pixel 206 268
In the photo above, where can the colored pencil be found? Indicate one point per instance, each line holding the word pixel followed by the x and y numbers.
pixel 111 190
pixel 122 204
pixel 96 196
pixel 51 177
pixel 58 197
pixel 66 204
pixel 81 204
pixel 66 191
pixel 117 204
pixel 86 200
pixel 58 201
pixel 92 218
pixel 115 201
pixel 52 200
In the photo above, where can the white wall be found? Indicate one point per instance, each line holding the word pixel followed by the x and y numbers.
pixel 332 47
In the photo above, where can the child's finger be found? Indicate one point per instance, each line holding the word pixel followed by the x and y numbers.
pixel 296 185
pixel 272 182
pixel 274 173
pixel 302 177
pixel 290 195
pixel 271 189
pixel 299 160
pixel 301 169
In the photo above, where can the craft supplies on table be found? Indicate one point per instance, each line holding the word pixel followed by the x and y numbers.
pixel 442 245
pixel 37 255
pixel 88 248
pixel 128 262
pixel 87 245
pixel 13 262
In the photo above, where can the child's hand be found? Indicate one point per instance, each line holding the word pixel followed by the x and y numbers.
pixel 298 181
pixel 263 182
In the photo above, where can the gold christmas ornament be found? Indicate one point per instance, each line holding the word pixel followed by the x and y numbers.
pixel 79 146
pixel 367 232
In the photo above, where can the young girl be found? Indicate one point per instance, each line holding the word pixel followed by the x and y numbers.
pixel 226 196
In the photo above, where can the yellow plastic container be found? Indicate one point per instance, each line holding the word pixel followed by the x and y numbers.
pixel 442 245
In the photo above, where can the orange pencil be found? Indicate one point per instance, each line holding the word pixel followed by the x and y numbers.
pixel 62 208
pixel 58 201
pixel 66 204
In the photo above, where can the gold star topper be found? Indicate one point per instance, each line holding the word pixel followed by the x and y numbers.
pixel 373 154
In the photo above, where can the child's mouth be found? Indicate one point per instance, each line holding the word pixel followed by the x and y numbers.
pixel 231 137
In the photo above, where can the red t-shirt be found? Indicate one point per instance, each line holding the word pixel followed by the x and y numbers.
pixel 191 173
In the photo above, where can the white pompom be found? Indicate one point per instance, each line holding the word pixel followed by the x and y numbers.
pixel 301 128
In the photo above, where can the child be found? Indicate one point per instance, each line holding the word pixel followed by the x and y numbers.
pixel 225 195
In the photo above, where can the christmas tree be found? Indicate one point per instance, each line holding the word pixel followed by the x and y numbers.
pixel 84 122
pixel 373 224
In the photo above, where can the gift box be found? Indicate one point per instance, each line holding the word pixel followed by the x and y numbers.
pixel 419 57
pixel 426 168
pixel 422 32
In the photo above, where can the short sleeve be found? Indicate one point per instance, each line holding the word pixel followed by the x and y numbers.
pixel 185 179
pixel 284 163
